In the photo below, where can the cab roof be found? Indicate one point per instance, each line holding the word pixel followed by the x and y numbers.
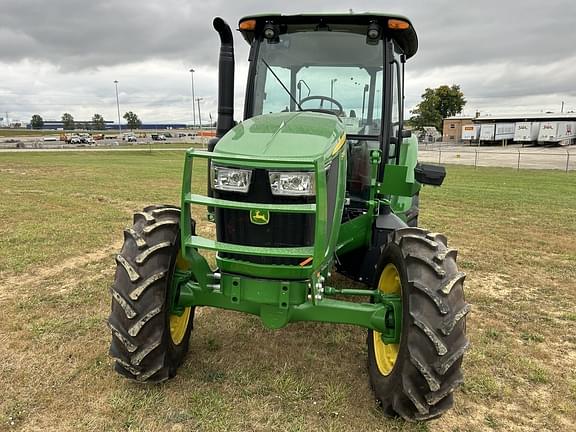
pixel 405 37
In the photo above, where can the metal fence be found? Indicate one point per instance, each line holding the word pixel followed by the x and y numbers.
pixel 558 158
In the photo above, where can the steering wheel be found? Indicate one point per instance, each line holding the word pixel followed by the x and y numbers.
pixel 338 112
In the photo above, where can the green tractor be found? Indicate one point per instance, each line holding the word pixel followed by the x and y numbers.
pixel 319 177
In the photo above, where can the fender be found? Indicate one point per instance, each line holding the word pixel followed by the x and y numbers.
pixel 384 225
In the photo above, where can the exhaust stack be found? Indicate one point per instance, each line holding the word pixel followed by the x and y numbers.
pixel 225 78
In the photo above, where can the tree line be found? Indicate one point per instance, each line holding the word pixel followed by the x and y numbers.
pixel 436 104
pixel 97 122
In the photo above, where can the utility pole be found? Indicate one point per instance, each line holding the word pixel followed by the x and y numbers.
pixel 562 110
pixel 193 109
pixel 199 115
pixel 118 107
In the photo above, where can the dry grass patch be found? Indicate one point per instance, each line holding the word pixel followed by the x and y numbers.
pixel 516 233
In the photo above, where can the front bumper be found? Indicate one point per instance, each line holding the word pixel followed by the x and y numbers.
pixel 278 302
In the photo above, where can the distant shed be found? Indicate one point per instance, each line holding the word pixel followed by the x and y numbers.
pixel 452 128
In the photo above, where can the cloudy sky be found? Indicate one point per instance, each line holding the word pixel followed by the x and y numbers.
pixel 63 55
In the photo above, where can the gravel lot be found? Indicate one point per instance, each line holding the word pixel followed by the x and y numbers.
pixel 511 156
pixel 36 143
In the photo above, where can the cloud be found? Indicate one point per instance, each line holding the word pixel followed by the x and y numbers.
pixel 156 90
pixel 77 35
pixel 505 87
pixel 63 55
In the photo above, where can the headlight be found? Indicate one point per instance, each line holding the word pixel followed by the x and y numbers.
pixel 292 183
pixel 230 179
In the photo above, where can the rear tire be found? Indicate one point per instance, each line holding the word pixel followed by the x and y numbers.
pixel 426 370
pixel 142 343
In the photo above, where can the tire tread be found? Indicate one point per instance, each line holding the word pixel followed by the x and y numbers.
pixel 427 371
pixel 141 346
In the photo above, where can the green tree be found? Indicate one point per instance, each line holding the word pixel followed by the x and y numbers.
pixel 132 120
pixel 436 105
pixel 97 122
pixel 68 121
pixel 37 122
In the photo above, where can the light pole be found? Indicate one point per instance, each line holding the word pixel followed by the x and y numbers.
pixel 366 87
pixel 332 81
pixel 118 107
pixel 193 109
pixel 199 115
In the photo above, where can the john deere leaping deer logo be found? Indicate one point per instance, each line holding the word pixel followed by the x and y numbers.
pixel 259 217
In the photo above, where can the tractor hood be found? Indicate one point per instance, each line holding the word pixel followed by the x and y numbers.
pixel 302 134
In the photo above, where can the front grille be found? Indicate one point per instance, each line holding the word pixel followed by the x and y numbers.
pixel 283 229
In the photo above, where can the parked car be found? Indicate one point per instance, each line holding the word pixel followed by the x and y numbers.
pixel 86 139
pixel 158 137
pixel 129 137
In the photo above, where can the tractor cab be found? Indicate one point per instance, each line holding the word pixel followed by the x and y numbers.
pixel 350 66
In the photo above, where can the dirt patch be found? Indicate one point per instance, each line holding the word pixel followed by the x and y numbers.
pixel 495 284
pixel 9 288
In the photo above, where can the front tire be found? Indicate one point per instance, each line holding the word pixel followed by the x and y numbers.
pixel 416 379
pixel 148 342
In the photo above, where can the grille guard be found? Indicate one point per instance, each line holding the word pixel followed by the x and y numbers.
pixel 323 241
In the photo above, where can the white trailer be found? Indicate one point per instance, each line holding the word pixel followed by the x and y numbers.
pixel 487 131
pixel 548 132
pixel 470 132
pixel 566 132
pixel 504 132
pixel 526 132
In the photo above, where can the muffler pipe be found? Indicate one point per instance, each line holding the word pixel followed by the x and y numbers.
pixel 225 120
pixel 225 78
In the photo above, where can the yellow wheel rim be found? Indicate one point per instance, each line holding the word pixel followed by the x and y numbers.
pixel 386 354
pixel 179 324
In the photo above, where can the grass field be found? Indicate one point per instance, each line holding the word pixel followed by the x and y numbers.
pixel 63 215
pixel 26 132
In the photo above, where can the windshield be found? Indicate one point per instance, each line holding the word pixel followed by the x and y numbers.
pixel 332 71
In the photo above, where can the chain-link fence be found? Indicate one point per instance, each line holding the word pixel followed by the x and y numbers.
pixel 559 158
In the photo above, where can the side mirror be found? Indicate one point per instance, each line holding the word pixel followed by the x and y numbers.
pixel 430 174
